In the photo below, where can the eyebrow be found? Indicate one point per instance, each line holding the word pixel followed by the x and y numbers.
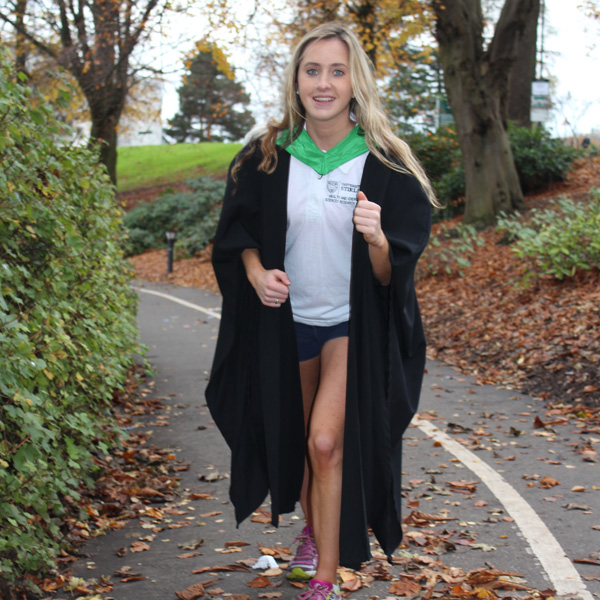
pixel 316 64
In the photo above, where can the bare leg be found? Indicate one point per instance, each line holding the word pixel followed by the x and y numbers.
pixel 309 378
pixel 325 449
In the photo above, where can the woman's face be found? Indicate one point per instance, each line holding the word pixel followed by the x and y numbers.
pixel 324 84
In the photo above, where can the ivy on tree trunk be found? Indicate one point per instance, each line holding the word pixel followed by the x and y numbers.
pixel 477 82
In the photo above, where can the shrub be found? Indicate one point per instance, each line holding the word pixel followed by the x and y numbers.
pixel 557 241
pixel 192 214
pixel 539 158
pixel 450 250
pixel 67 326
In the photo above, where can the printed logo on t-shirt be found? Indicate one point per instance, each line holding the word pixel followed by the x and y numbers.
pixel 341 193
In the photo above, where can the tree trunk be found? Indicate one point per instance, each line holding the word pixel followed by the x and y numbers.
pixel 21 47
pixel 476 80
pixel 104 133
pixel 523 73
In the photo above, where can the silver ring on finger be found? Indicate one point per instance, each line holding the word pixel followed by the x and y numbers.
pixel 277 301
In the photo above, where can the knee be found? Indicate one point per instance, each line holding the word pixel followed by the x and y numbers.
pixel 324 449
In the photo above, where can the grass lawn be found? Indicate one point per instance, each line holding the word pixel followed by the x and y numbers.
pixel 143 166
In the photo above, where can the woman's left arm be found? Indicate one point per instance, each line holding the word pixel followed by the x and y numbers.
pixel 367 220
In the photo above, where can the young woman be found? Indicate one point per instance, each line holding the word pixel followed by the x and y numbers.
pixel 321 349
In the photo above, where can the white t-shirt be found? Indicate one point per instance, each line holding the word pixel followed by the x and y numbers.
pixel 319 240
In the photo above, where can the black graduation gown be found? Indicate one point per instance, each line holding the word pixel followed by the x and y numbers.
pixel 254 390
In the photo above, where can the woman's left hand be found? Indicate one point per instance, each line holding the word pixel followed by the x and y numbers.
pixel 367 220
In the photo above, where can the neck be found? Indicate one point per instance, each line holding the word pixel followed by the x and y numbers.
pixel 326 135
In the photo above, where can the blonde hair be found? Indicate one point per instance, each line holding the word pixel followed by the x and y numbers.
pixel 366 107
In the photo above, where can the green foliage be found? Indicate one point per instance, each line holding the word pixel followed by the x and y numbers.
pixel 67 326
pixel 450 250
pixel 557 241
pixel 439 153
pixel 193 215
pixel 145 166
pixel 412 90
pixel 539 158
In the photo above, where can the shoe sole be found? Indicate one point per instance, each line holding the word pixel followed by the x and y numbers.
pixel 298 574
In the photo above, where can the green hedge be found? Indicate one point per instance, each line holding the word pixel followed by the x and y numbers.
pixel 67 326
pixel 193 215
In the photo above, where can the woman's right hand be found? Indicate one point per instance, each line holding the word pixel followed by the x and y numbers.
pixel 271 286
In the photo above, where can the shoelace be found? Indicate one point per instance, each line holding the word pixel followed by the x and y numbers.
pixel 307 548
pixel 317 588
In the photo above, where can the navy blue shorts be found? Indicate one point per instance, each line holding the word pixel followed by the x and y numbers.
pixel 311 338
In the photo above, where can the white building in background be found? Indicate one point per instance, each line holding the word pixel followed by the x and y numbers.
pixel 143 125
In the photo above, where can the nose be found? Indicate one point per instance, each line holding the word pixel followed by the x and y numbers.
pixel 323 82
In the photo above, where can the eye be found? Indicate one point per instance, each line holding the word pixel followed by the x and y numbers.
pixel 311 72
pixel 338 72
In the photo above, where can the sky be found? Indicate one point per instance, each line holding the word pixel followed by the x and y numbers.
pixel 570 60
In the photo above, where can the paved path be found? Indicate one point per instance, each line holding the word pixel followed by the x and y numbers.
pixel 473 455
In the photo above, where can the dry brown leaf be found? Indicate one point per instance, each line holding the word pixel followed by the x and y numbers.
pixel 352 585
pixel 404 587
pixel 270 595
pixel 191 593
pixel 215 591
pixel 548 482
pixel 201 496
pixel 220 568
pixel 228 544
pixel 260 515
pixel 260 582
pixel 130 578
pixel 189 555
pixel 139 547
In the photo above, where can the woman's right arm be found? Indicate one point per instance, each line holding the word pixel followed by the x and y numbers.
pixel 271 286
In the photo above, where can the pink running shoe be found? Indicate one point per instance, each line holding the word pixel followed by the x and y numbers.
pixel 304 565
pixel 321 590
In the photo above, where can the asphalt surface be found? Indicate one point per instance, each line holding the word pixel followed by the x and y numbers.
pixel 474 456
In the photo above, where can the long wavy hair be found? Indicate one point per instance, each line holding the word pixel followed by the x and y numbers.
pixel 365 106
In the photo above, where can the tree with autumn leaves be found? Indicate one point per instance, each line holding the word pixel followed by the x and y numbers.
pixel 212 104
pixel 95 41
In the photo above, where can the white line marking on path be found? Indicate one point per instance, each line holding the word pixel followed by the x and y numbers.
pixel 206 311
pixel 560 569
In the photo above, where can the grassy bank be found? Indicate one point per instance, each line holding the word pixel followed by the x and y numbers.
pixel 144 166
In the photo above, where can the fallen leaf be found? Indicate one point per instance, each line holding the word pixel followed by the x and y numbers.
pixel 228 544
pixel 189 555
pixel 215 591
pixel 352 586
pixel 586 561
pixel 191 593
pixel 404 587
pixel 201 496
pixel 139 547
pixel 573 506
pixel 221 568
pixel 548 482
pixel 259 582
pixel 270 595
pixel 191 545
pixel 273 572
pixel 261 515
pixel 578 488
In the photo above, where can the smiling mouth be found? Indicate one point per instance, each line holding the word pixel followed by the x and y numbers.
pixel 323 99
